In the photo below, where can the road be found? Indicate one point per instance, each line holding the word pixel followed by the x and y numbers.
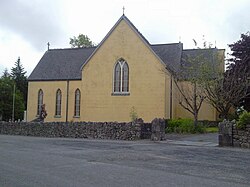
pixel 36 161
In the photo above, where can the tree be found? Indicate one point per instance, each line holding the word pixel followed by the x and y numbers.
pixel 224 93
pixel 240 65
pixel 81 41
pixel 230 90
pixel 5 73
pixel 6 100
pixel 20 79
pixel 188 82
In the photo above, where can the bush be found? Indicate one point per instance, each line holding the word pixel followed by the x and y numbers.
pixel 244 119
pixel 183 126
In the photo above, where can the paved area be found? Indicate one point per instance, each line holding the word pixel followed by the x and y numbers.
pixel 209 139
pixel 34 161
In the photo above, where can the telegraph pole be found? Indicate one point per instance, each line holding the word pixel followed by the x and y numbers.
pixel 13 104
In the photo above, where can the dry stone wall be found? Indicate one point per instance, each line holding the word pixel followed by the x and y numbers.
pixel 98 130
pixel 230 135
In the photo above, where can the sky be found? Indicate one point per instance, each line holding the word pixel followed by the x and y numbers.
pixel 27 26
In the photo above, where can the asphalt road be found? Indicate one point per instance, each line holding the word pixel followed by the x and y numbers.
pixel 34 161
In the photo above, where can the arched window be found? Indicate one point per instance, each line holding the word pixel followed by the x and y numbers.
pixel 58 102
pixel 39 101
pixel 77 103
pixel 121 76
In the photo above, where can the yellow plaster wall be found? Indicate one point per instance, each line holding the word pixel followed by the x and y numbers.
pixel 146 81
pixel 207 112
pixel 49 99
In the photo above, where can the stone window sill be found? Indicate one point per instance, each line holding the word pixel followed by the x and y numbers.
pixel 76 116
pixel 120 94
pixel 57 116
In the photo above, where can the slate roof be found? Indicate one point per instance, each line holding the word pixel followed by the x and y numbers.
pixel 170 54
pixel 66 64
pixel 61 64
pixel 208 55
pixel 190 57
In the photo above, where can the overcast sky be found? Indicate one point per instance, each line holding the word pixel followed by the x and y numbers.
pixel 26 26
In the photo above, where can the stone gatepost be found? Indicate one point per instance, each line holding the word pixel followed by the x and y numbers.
pixel 158 129
pixel 226 133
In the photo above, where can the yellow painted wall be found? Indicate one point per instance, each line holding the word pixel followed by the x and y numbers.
pixel 206 112
pixel 146 81
pixel 49 99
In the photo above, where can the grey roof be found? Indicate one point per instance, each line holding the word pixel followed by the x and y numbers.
pixel 66 64
pixel 170 54
pixel 195 58
pixel 61 64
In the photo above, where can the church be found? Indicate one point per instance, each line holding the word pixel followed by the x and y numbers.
pixel 124 74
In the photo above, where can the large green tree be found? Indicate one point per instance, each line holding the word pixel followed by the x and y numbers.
pixel 8 95
pixel 81 41
pixel 18 74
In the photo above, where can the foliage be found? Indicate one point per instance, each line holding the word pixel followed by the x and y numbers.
pixel 230 90
pixel 5 73
pixel 194 71
pixel 184 126
pixel 6 100
pixel 10 82
pixel 81 41
pixel 244 120
pixel 133 114
pixel 239 64
pixel 20 79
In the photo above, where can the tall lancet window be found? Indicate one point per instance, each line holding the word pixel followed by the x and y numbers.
pixel 121 77
pixel 58 102
pixel 77 103
pixel 39 102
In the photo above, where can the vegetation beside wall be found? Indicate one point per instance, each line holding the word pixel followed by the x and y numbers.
pixel 184 126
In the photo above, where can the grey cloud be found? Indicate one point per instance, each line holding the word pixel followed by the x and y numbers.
pixel 35 21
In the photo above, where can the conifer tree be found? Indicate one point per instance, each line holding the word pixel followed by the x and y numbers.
pixel 18 74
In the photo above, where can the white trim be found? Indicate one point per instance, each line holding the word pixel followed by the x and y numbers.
pixel 121 62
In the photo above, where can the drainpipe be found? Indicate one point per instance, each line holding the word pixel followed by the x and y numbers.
pixel 67 101
pixel 171 97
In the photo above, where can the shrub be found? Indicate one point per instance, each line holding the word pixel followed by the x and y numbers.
pixel 133 114
pixel 244 119
pixel 183 126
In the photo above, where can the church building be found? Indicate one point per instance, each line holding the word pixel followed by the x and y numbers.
pixel 124 74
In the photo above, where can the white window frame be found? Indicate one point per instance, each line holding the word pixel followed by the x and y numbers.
pixel 121 62
pixel 77 113
pixel 58 113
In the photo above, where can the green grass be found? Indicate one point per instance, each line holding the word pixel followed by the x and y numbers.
pixel 212 129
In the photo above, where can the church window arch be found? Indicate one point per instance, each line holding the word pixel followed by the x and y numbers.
pixel 121 77
pixel 58 102
pixel 39 101
pixel 77 103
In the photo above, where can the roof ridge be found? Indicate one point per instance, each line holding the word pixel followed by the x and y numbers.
pixel 76 48
pixel 200 49
pixel 166 44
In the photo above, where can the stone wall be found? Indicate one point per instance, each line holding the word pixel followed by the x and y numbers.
pixel 98 130
pixel 241 137
pixel 230 135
